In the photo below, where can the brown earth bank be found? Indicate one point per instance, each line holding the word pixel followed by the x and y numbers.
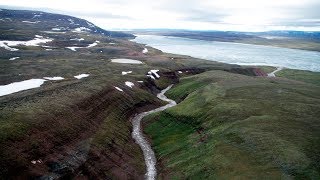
pixel 63 142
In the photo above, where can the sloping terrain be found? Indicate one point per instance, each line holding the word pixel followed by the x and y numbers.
pixel 230 126
pixel 35 22
pixel 76 127
pixel 77 123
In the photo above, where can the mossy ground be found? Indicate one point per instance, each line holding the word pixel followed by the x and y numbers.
pixel 233 126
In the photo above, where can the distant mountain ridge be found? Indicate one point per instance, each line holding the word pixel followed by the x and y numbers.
pixel 43 21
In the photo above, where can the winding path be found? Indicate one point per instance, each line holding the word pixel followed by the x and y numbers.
pixel 149 156
pixel 273 73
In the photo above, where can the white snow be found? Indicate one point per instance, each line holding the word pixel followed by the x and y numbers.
pixel 81 29
pixel 93 44
pixel 126 72
pixel 59 29
pixel 71 21
pixel 151 76
pixel 129 84
pixel 13 58
pixel 73 48
pixel 145 50
pixel 112 43
pixel 140 81
pixel 154 72
pixel 119 89
pixel 126 61
pixel 77 39
pixel 36 161
pixel 179 72
pixel 36 16
pixel 31 22
pixel 20 86
pixel 34 42
pixel 38 36
pixel 48 49
pixel 53 78
pixel 5 46
pixel 80 76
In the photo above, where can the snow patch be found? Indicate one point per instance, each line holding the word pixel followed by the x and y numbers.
pixel 154 72
pixel 151 77
pixel 34 42
pixel 36 161
pixel 126 61
pixel 35 16
pixel 129 84
pixel 93 44
pixel 80 76
pixel 74 48
pixel 180 72
pixel 126 72
pixel 81 29
pixel 77 39
pixel 13 58
pixel 31 22
pixel 20 86
pixel 59 29
pixel 54 78
pixel 71 21
pixel 119 89
pixel 145 50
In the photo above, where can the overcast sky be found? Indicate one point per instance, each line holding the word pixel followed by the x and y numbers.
pixel 236 15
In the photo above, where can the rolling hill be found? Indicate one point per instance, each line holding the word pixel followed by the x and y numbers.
pixel 231 121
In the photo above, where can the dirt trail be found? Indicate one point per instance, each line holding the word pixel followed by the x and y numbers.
pixel 148 153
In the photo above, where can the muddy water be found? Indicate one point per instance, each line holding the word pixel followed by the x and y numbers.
pixel 148 153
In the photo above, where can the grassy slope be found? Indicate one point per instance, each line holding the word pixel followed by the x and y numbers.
pixel 49 122
pixel 233 126
pixel 299 75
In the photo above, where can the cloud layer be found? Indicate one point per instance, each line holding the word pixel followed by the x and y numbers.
pixel 239 15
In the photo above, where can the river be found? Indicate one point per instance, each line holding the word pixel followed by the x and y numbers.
pixel 149 156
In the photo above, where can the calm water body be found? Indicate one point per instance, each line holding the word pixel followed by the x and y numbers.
pixel 235 53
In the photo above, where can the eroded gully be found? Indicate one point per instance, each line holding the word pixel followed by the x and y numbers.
pixel 137 134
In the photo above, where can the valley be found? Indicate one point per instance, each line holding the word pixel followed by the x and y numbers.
pixel 231 121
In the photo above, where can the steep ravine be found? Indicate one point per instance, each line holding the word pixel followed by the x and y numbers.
pixel 148 153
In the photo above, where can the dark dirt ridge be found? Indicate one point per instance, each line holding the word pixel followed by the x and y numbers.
pixel 72 156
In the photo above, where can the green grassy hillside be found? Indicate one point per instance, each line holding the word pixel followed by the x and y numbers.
pixel 299 75
pixel 230 126
pixel 227 125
